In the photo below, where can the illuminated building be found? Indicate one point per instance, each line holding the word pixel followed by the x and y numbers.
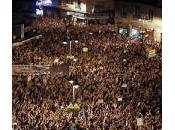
pixel 144 17
pixel 88 9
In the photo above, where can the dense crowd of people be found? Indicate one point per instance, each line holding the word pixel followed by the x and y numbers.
pixel 118 82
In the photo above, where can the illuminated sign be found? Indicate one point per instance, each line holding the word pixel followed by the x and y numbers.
pixel 43 3
pixel 75 14
pixel 39 12
pixel 47 2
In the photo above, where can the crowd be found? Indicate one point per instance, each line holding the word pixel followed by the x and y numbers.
pixel 118 82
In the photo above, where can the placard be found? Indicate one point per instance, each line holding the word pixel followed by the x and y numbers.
pixel 139 121
pixel 120 99
pixel 124 85
pixel 100 101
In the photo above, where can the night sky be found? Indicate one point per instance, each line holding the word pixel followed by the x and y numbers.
pixel 21 8
pixel 150 2
pixel 16 4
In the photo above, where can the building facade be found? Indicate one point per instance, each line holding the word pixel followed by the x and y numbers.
pixel 89 9
pixel 141 16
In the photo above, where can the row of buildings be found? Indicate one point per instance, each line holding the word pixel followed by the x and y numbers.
pixel 127 14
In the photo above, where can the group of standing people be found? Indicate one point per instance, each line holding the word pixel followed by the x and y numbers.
pixel 118 83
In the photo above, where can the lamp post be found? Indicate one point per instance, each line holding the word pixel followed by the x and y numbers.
pixel 73 96
pixel 73 107
pixel 70 48
pixel 70 56
pixel 70 45
pixel 73 91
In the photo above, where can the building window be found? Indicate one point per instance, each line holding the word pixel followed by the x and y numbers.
pixel 77 4
pixel 123 12
pixel 150 14
pixel 69 1
pixel 99 7
pixel 137 12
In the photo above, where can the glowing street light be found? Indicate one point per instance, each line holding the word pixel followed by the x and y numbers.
pixel 71 81
pixel 76 41
pixel 74 59
pixel 76 86
pixel 64 43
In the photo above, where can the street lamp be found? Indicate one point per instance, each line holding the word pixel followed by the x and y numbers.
pixel 64 43
pixel 76 41
pixel 75 86
pixel 73 89
pixel 70 46
pixel 71 81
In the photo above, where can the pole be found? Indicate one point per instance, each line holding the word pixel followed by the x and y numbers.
pixel 70 54
pixel 22 31
pixel 70 47
pixel 73 94
pixel 73 113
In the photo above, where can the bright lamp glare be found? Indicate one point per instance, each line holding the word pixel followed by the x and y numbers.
pixel 76 41
pixel 76 86
pixel 64 43
pixel 71 81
